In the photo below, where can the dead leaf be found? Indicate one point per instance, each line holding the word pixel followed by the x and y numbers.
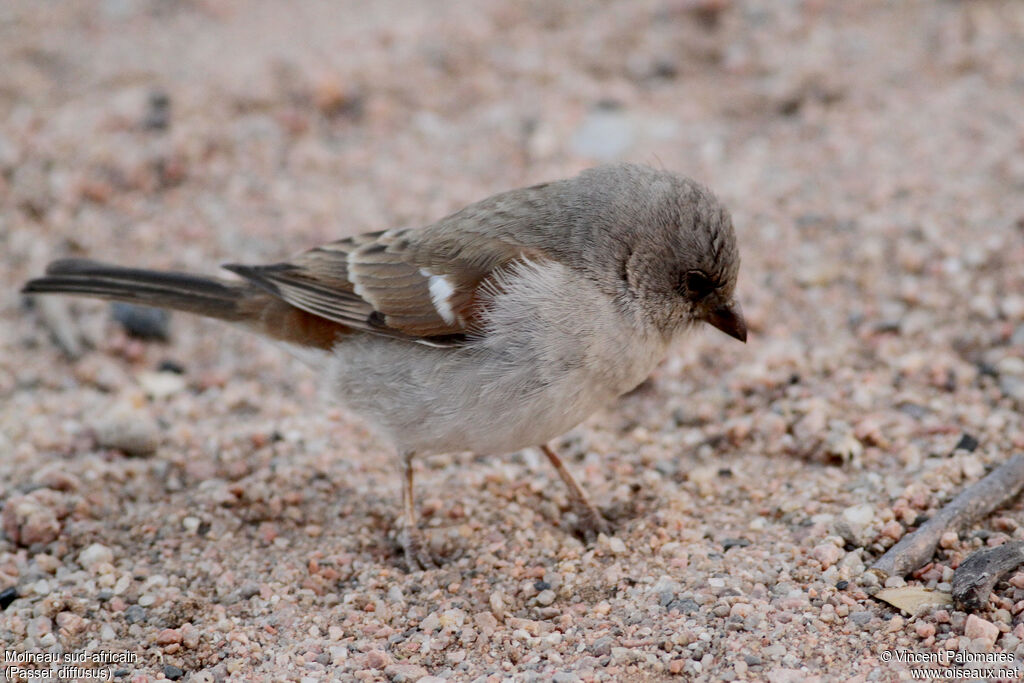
pixel 914 600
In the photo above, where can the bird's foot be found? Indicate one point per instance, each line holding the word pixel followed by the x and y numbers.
pixel 590 523
pixel 414 548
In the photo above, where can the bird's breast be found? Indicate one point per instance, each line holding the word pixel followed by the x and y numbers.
pixel 554 349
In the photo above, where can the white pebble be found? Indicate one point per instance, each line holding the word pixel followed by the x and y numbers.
pixel 616 545
pixel 94 555
pixel 860 515
pixel 977 628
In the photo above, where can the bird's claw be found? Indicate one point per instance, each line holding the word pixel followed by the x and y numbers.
pixel 590 524
pixel 417 557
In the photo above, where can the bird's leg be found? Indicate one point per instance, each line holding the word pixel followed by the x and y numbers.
pixel 410 536
pixel 591 523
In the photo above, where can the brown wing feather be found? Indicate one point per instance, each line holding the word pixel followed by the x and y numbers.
pixel 388 283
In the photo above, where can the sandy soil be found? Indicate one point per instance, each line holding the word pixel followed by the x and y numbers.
pixel 223 524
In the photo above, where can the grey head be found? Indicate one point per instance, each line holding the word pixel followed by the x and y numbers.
pixel 658 243
pixel 661 244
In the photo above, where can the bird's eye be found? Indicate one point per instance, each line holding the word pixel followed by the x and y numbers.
pixel 696 285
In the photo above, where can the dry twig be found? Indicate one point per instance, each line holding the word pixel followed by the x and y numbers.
pixel 975 578
pixel 915 549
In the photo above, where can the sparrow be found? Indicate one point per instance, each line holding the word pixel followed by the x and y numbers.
pixel 497 328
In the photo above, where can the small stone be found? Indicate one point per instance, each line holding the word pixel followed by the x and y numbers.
pixel 853 523
pixel 56 478
pixel 158 111
pixel 189 635
pixel 1010 365
pixel 168 636
pixel 7 596
pixel 333 98
pixel 431 623
pixel 94 555
pixel 972 467
pixel 613 543
pixel 497 603
pixel 546 597
pixel 827 554
pixel 161 384
pixel 244 592
pixel 123 584
pixel 683 606
pixel 144 322
pixel 135 614
pixel 601 647
pixel 452 619
pixel 861 515
pixel 69 623
pixel 172 366
pixel 405 673
pixel 39 627
pixel 172 672
pixel 893 530
pixel 949 539
pixel 810 427
pixel 28 519
pixel 129 431
pixel 1012 306
pixel 565 677
pixel 377 659
pixel 843 445
pixel 861 618
pixel 977 628
pixel 702 476
pixel 966 443
pixel 734 543
pixel 1013 387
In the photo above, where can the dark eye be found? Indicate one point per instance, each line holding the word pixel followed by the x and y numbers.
pixel 696 285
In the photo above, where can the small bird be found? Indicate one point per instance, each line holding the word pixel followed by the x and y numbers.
pixel 497 328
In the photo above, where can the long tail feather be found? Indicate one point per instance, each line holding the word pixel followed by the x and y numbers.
pixel 178 291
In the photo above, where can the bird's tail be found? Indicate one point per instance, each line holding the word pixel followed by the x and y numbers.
pixel 177 291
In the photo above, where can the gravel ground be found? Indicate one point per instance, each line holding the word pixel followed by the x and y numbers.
pixel 192 503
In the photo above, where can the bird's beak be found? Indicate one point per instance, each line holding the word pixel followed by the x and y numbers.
pixel 729 319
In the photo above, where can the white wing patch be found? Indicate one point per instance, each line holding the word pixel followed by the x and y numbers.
pixel 351 261
pixel 440 295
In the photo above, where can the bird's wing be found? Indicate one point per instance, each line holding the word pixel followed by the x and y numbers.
pixel 419 285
